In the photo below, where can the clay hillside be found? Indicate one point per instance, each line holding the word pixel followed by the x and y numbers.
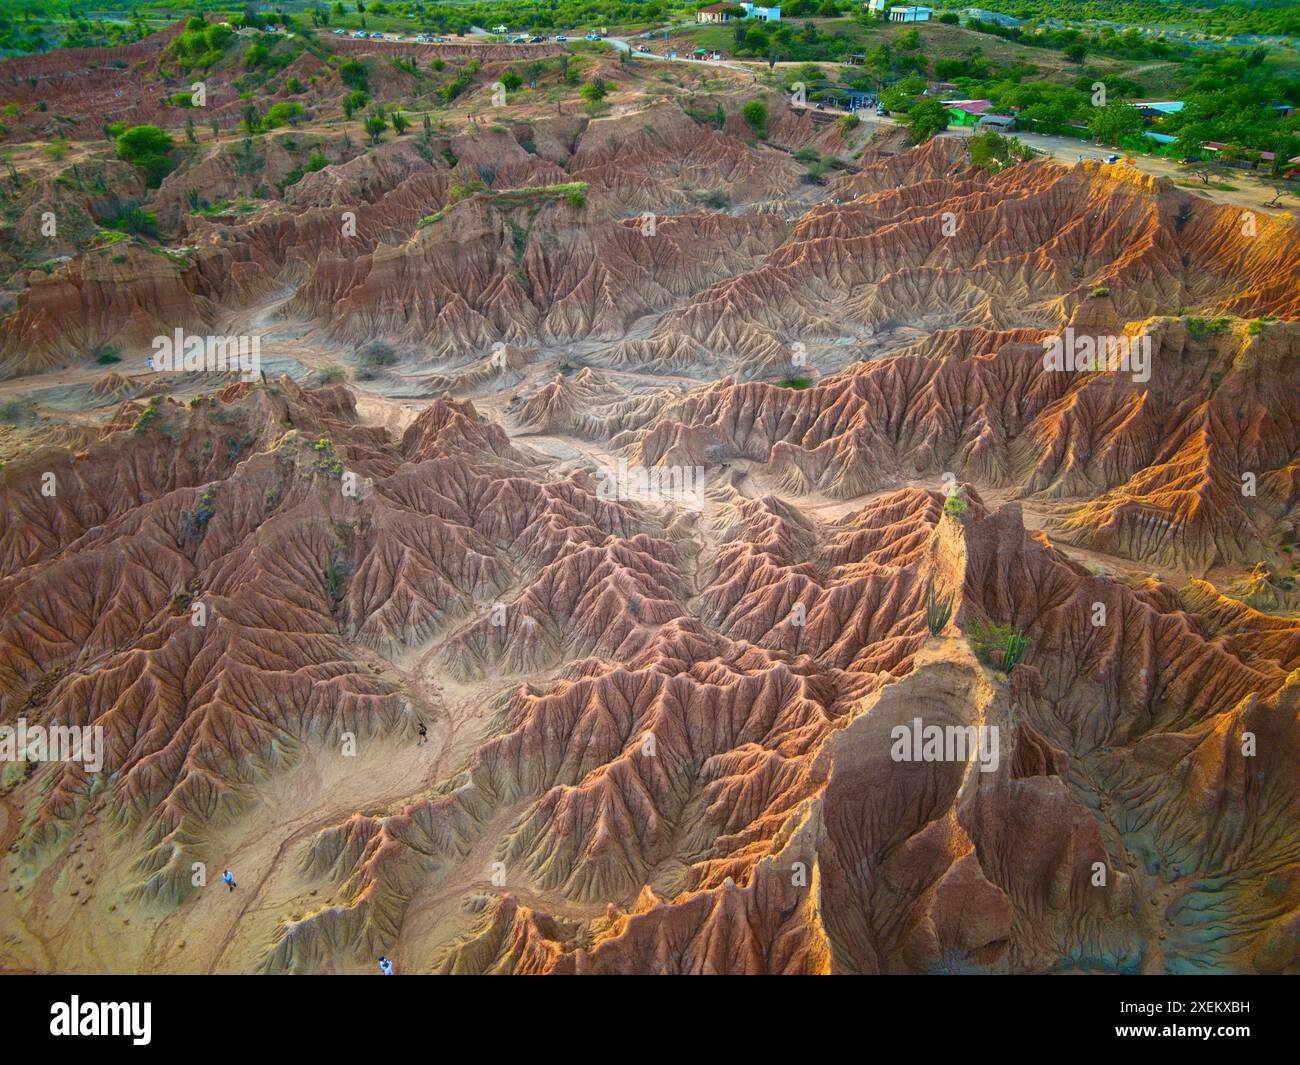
pixel 582 479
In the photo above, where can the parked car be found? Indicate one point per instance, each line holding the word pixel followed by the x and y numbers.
pixel 561 37
pixel 535 40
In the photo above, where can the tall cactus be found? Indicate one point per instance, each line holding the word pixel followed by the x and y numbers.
pixel 1013 652
pixel 937 611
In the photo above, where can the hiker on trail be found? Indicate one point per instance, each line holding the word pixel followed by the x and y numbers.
pixel 385 966
pixel 424 734
pixel 229 879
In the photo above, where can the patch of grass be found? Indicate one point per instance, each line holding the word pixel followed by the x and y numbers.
pixel 149 417
pixel 375 354
pixel 1000 647
pixel 195 522
pixel 14 409
pixel 329 463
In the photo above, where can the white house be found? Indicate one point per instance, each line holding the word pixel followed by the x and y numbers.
pixel 909 14
pixel 715 13
pixel 723 12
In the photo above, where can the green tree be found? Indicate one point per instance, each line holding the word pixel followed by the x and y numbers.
pixel 926 119
pixel 278 114
pixel 149 148
pixel 755 113
pixel 354 75
pixel 1115 121
pixel 594 91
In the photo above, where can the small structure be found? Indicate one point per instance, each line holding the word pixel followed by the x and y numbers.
pixel 966 112
pixel 717 12
pixel 1155 110
pixel 763 14
pixel 909 14
pixel 997 123
pixel 849 99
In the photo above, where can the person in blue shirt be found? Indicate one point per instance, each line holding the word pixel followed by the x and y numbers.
pixel 385 966
pixel 229 879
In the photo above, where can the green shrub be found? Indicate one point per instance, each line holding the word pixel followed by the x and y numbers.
pixel 14 409
pixel 1001 647
pixel 149 148
pixel 195 522
pixel 374 354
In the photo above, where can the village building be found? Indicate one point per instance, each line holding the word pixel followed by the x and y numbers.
pixel 726 12
pixel 717 13
pixel 966 112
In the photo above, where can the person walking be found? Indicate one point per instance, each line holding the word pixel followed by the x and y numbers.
pixel 228 878
pixel 385 966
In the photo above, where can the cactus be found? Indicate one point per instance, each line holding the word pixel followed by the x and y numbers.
pixel 1013 652
pixel 1000 647
pixel 937 611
